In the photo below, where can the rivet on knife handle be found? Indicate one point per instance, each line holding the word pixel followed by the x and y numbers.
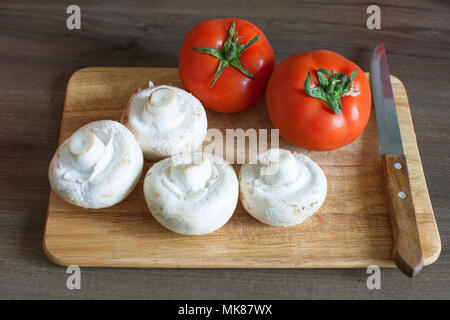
pixel 407 251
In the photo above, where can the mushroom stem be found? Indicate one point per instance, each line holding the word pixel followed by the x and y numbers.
pixel 163 105
pixel 278 166
pixel 86 148
pixel 191 177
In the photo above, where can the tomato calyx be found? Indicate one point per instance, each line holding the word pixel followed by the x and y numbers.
pixel 229 54
pixel 331 89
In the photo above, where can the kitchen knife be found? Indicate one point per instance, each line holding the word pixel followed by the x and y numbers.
pixel 407 251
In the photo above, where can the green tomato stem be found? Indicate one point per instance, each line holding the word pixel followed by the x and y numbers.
pixel 230 53
pixel 331 89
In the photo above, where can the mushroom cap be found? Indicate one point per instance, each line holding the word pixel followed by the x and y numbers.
pixel 191 199
pixel 158 134
pixel 288 198
pixel 98 166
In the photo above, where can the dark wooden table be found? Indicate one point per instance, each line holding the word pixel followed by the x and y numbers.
pixel 38 54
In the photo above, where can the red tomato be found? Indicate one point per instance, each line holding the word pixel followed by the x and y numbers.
pixel 310 122
pixel 222 44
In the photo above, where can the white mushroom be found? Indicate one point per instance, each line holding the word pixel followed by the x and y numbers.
pixel 98 166
pixel 165 120
pixel 282 189
pixel 191 194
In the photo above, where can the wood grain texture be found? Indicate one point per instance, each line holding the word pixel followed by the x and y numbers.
pixel 407 252
pixel 38 55
pixel 350 230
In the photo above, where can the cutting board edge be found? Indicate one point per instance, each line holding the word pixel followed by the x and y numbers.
pixel 436 241
pixel 202 264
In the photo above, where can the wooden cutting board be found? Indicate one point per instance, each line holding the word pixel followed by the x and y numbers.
pixel 351 230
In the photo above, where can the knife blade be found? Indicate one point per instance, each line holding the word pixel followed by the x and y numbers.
pixel 389 138
pixel 407 251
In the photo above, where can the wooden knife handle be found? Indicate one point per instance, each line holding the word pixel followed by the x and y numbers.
pixel 407 252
